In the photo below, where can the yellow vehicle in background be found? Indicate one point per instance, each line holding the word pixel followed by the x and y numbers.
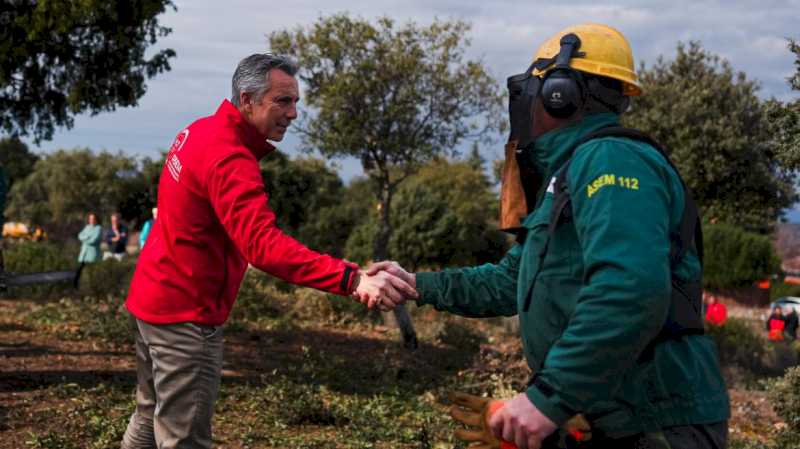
pixel 17 230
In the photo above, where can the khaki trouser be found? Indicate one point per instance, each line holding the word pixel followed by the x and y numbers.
pixel 178 370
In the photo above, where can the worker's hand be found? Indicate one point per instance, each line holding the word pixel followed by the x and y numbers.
pixel 383 290
pixel 395 269
pixel 521 423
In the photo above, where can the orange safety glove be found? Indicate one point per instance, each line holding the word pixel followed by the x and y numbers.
pixel 475 411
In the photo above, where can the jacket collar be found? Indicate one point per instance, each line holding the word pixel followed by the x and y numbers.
pixel 552 149
pixel 249 135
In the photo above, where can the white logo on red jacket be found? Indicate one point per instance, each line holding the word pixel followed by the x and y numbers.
pixel 173 162
pixel 180 139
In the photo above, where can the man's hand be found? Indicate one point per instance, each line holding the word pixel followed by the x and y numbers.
pixel 382 289
pixel 394 269
pixel 520 422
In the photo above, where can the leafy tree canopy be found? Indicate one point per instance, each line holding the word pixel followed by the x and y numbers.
pixel 392 96
pixel 15 159
pixel 65 185
pixel 785 118
pixel 794 80
pixel 62 58
pixel 309 201
pixel 736 258
pixel 719 135
pixel 444 216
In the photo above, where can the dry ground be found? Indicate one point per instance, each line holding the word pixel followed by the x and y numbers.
pixel 282 387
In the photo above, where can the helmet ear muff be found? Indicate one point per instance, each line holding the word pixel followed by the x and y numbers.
pixel 563 93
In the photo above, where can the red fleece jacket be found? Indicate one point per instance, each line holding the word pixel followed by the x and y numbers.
pixel 214 219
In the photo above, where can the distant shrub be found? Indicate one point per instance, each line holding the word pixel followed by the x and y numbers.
pixel 784 395
pixel 736 258
pixel 106 278
pixel 35 257
pixel 257 300
pixel 739 346
pixel 32 257
pixel 313 305
pixel 84 319
pixel 779 290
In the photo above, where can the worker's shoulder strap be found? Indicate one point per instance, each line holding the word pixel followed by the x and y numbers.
pixel 690 231
pixel 685 314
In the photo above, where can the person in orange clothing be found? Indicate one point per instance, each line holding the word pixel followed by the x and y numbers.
pixel 716 312
pixel 775 324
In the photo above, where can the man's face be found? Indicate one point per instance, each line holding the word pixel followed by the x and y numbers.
pixel 278 107
pixel 114 220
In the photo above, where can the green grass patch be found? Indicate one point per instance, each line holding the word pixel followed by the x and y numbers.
pixel 83 319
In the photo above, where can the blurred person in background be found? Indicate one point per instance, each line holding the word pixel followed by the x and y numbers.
pixel 116 239
pixel 716 312
pixel 776 323
pixel 791 325
pixel 146 228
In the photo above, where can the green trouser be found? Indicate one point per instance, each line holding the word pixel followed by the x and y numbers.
pixel 699 436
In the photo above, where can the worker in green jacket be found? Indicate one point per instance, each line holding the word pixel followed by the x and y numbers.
pixel 594 292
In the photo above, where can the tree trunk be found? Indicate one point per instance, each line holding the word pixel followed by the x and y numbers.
pixel 399 316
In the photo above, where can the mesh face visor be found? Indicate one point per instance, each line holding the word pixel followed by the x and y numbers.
pixel 522 91
pixel 514 201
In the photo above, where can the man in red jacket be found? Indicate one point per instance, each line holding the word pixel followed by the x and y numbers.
pixel 213 221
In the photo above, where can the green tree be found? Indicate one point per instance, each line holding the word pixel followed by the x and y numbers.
pixel 719 135
pixel 60 59
pixel 736 258
pixel 65 185
pixel 794 80
pixel 16 162
pixel 331 226
pixel 393 97
pixel 444 216
pixel 785 118
pixel 784 395
pixel 309 201
pixel 16 159
pixel 140 194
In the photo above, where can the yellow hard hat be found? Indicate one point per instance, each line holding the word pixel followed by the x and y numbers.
pixel 604 52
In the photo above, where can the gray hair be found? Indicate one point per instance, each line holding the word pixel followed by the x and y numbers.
pixel 251 74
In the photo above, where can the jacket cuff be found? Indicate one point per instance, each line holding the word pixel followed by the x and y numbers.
pixel 427 289
pixel 547 401
pixel 346 283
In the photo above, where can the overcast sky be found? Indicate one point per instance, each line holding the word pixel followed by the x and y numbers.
pixel 210 37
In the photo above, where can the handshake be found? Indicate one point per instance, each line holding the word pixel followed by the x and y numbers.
pixel 385 285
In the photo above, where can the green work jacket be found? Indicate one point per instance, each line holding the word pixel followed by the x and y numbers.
pixel 602 294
